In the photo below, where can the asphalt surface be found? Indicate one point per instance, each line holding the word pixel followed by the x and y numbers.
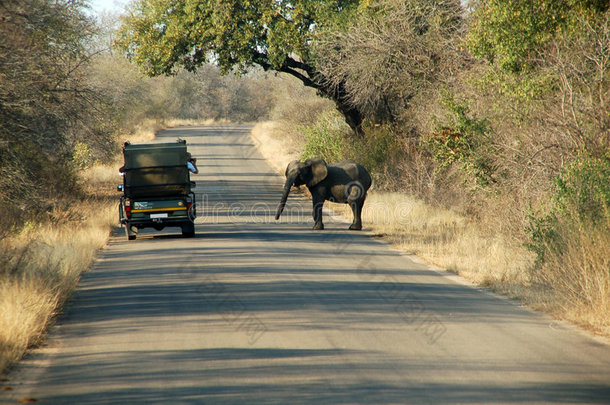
pixel 254 311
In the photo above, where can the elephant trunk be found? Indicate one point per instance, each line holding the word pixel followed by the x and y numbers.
pixel 287 186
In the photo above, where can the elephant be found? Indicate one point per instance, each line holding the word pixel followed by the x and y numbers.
pixel 345 182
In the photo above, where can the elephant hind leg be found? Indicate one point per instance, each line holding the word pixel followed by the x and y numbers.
pixel 357 210
pixel 356 199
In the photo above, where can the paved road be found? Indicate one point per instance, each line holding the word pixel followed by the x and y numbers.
pixel 251 311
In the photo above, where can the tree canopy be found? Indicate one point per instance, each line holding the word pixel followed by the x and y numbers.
pixel 163 35
pixel 512 33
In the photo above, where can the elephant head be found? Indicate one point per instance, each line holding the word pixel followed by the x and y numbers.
pixel 311 172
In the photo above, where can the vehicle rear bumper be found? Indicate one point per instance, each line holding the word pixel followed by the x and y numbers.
pixel 145 222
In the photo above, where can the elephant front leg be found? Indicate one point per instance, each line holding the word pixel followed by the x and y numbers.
pixel 317 215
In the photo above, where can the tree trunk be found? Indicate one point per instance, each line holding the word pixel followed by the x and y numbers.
pixel 310 77
pixel 353 117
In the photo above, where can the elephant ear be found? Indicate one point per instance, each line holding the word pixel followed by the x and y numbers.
pixel 292 166
pixel 319 171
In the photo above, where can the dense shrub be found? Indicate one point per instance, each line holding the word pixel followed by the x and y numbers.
pixel 326 138
pixel 572 242
pixel 580 201
pixel 46 106
pixel 463 140
pixel 330 138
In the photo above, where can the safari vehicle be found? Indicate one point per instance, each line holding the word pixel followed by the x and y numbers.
pixel 156 188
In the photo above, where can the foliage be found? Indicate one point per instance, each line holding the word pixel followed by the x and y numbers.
pixel 45 103
pixel 204 94
pixel 330 139
pixel 83 157
pixel 378 151
pixel 572 241
pixel 517 39
pixel 585 186
pixel 514 33
pixel 464 140
pixel 580 200
pixel 326 138
pixel 161 35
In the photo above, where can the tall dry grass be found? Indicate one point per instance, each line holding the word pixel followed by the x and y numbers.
pixel 40 266
pixel 447 239
pixel 576 277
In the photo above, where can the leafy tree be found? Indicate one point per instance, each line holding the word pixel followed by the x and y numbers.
pixel 512 33
pixel 161 35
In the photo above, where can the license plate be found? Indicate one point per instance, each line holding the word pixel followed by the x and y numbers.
pixel 163 215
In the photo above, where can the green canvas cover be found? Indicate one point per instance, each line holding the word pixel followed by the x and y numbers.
pixel 156 169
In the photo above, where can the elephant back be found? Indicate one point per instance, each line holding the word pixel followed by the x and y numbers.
pixel 352 171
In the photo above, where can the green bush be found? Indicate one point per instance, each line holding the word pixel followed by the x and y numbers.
pixel 580 199
pixel 572 242
pixel 82 157
pixel 585 186
pixel 331 139
pixel 326 138
pixel 377 151
pixel 463 140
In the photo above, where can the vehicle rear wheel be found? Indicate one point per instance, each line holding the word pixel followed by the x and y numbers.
pixel 131 232
pixel 188 230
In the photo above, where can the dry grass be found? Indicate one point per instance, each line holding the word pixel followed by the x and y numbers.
pixel 446 239
pixel 578 276
pixel 41 265
pixel 279 149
